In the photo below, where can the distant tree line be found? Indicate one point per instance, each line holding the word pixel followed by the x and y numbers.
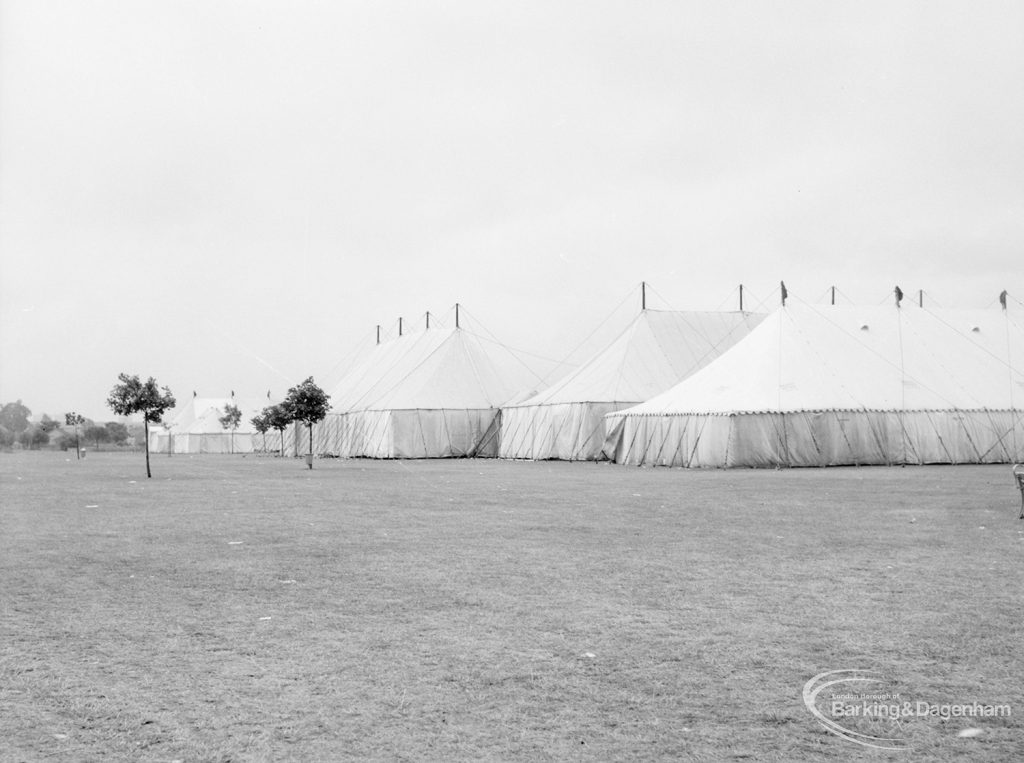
pixel 17 429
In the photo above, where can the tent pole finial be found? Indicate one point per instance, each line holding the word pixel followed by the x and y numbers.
pixel 783 292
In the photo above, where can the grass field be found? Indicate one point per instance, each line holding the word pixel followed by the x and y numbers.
pixel 250 609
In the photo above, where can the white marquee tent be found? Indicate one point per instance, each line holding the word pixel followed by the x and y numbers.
pixel 820 386
pixel 434 393
pixel 656 350
pixel 195 428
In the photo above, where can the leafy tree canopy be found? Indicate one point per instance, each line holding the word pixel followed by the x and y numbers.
pixel 133 396
pixel 261 423
pixel 14 417
pixel 34 438
pixel 97 434
pixel 73 419
pixel 232 417
pixel 307 402
pixel 118 432
pixel 278 417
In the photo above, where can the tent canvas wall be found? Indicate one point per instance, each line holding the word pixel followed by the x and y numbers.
pixel 656 350
pixel 434 393
pixel 195 428
pixel 827 386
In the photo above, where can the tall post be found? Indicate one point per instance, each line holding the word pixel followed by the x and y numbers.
pixel 920 297
pixel 741 298
pixel 378 342
pixel 145 424
pixel 428 319
pixel 833 295
pixel 399 326
pixel 456 315
pixel 643 295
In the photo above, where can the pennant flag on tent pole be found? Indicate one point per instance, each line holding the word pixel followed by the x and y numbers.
pixel 1002 299
pixel 782 288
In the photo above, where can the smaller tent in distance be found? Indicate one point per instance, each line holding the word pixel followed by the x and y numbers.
pixel 655 351
pixel 195 427
pixel 822 386
pixel 429 393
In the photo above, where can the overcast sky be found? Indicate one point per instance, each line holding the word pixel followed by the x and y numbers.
pixel 231 195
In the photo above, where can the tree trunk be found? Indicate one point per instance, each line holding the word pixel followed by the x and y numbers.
pixel 145 422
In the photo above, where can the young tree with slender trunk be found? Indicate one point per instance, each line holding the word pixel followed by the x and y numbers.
pixel 73 419
pixel 261 424
pixel 230 420
pixel 133 396
pixel 309 404
pixel 278 418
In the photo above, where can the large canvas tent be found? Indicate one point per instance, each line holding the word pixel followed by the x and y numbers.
pixel 434 393
pixel 195 428
pixel 655 351
pixel 820 386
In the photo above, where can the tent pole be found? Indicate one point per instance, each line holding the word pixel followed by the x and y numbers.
pixel 456 315
pixel 833 295
pixel 399 326
pixel 378 342
pixel 741 298
pixel 428 319
pixel 920 297
pixel 643 295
